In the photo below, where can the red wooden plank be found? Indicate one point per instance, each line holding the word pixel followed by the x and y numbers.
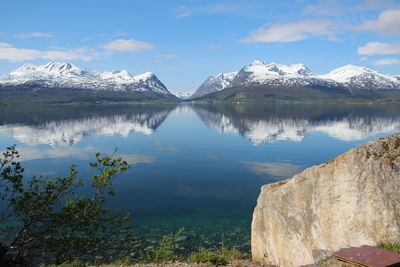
pixel 369 256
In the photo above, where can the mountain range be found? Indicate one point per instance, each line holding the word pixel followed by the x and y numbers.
pixel 66 76
pixel 260 80
pixel 345 81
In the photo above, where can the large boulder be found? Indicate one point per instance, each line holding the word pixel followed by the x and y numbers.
pixel 351 200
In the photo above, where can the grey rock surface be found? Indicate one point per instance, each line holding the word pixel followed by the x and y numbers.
pixel 351 200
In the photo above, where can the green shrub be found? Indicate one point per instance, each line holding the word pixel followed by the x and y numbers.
pixel 202 256
pixel 165 251
pixel 49 220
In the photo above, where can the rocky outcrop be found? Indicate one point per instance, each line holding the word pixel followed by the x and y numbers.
pixel 349 201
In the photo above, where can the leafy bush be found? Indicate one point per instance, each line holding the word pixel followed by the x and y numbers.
pixel 45 220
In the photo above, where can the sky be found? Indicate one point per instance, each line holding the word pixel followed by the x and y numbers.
pixel 184 42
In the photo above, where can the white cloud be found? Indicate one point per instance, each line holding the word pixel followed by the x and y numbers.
pixel 33 35
pixel 388 23
pixel 273 169
pixel 13 54
pixel 290 32
pixel 131 45
pixel 5 45
pixel 29 153
pixel 347 8
pixel 326 7
pixel 182 12
pixel 220 8
pixel 363 59
pixel 84 153
pixel 169 56
pixel 378 48
pixel 387 61
pixel 136 158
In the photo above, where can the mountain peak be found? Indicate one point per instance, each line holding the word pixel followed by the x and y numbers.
pixel 345 73
pixel 59 66
pixel 350 67
pixel 257 62
pixel 362 77
pixel 144 76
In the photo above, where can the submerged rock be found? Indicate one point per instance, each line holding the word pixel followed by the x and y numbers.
pixel 352 200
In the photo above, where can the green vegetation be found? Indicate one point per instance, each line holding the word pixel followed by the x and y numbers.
pixel 165 251
pixel 74 263
pixel 46 220
pixel 390 245
pixel 65 96
pixel 216 258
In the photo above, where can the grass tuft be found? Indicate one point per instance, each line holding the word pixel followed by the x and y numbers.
pixel 390 245
pixel 220 257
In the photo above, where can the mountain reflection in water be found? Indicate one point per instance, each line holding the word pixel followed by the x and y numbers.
pixel 67 125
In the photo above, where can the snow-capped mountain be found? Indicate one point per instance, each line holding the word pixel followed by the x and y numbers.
pixel 215 84
pixel 261 73
pixel 182 94
pixel 67 75
pixel 362 78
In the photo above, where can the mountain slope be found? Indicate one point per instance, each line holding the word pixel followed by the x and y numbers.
pixel 58 75
pixel 215 84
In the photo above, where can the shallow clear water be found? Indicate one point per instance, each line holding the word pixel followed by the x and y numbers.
pixel 197 166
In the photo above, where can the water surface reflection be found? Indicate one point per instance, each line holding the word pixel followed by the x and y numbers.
pixel 198 166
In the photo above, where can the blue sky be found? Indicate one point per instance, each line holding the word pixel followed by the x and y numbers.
pixel 183 42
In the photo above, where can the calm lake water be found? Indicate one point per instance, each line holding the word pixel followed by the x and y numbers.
pixel 197 166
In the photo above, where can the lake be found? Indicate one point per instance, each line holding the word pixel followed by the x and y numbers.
pixel 199 166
